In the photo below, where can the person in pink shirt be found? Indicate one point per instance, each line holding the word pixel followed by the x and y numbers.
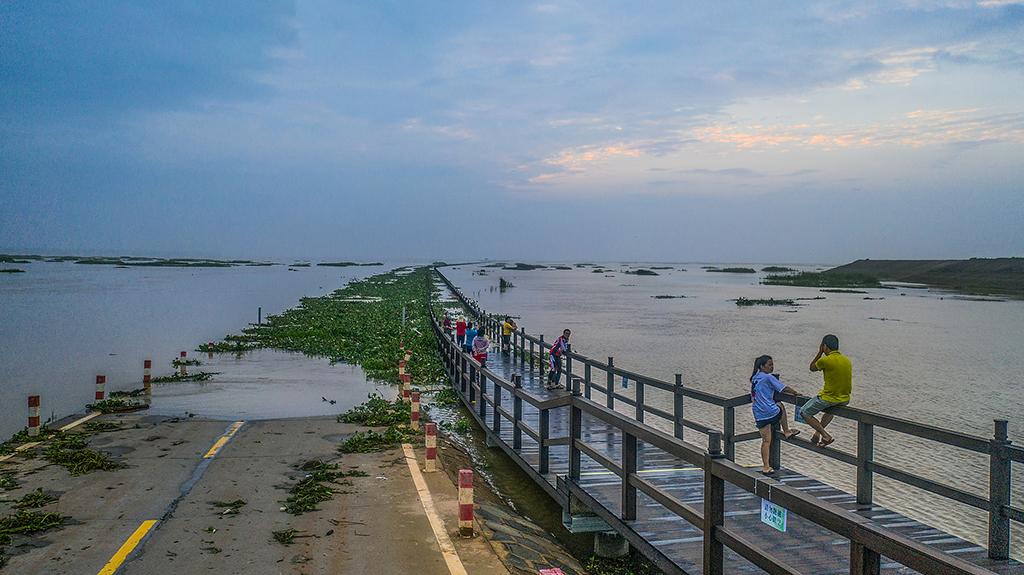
pixel 559 348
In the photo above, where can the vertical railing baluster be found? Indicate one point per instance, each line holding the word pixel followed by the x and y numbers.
pixel 517 412
pixel 610 395
pixel 729 432
pixel 628 470
pixel 586 380
pixel 677 407
pixel 481 400
pixel 775 451
pixel 496 423
pixel 545 429
pixel 522 347
pixel 864 561
pixel 542 366
pixel 568 371
pixel 575 434
pixel 531 356
pixel 865 455
pixel 472 378
pixel 714 508
pixel 999 493
pixel 639 396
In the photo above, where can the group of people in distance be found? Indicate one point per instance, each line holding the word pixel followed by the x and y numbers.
pixel 765 386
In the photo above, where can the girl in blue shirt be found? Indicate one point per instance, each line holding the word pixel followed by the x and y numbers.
pixel 767 412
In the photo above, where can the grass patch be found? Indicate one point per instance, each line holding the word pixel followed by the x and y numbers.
pixel 114 405
pixel 378 412
pixel 8 482
pixel 371 441
pixel 305 495
pixel 69 451
pixel 744 302
pixel 233 345
pixel 632 564
pixel 458 426
pixel 824 280
pixel 178 362
pixel 34 499
pixel 27 523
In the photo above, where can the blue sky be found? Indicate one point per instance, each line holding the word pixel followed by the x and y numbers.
pixel 665 131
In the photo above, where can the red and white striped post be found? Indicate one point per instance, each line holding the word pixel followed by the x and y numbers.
pixel 408 354
pixel 401 368
pixel 414 416
pixel 209 350
pixel 33 415
pixel 407 388
pixel 431 442
pixel 101 385
pixel 466 502
pixel 147 376
pixel 182 368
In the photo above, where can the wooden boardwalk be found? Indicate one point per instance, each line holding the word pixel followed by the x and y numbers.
pixel 808 547
pixel 650 486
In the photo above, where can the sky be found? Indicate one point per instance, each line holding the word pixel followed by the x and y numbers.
pixel 652 131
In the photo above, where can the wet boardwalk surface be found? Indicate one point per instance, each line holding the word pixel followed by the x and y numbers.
pixel 807 547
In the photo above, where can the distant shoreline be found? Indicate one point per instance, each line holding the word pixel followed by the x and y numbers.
pixel 980 276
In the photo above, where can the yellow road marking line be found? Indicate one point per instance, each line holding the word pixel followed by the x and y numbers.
pixel 451 557
pixel 224 439
pixel 129 545
pixel 78 422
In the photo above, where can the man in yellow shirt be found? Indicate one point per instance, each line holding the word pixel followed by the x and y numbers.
pixel 838 374
pixel 507 327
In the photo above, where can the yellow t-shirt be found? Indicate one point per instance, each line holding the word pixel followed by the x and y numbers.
pixel 838 372
pixel 506 328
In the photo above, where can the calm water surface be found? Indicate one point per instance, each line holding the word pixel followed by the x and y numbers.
pixel 917 354
pixel 63 323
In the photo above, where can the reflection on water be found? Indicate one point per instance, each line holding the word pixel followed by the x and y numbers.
pixel 947 362
pixel 268 384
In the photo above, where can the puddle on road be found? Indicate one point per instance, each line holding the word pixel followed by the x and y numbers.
pixel 267 384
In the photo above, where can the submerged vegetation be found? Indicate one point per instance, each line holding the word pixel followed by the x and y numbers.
pixel 115 405
pixel 504 284
pixel 777 269
pixel 70 452
pixel 371 441
pixel 361 323
pixel 178 378
pixel 348 264
pixel 519 266
pixel 743 302
pixel 640 272
pixel 734 270
pixel 11 271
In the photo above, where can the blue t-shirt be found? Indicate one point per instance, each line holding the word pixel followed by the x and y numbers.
pixel 762 392
pixel 470 334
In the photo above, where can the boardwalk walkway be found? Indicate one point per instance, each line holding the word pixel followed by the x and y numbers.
pixel 660 505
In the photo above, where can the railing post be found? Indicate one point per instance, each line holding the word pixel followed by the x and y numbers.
pixel 568 371
pixel 522 346
pixel 628 470
pixel 542 366
pixel 610 396
pixel 714 508
pixel 863 560
pixel 586 380
pixel 532 355
pixel 545 429
pixel 481 401
pixel 677 406
pixel 496 423
pixel 575 434
pixel 639 400
pixel 472 378
pixel 729 432
pixel 999 493
pixel 775 453
pixel 865 454
pixel 517 413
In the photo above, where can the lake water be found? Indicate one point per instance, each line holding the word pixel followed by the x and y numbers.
pixel 919 354
pixel 61 324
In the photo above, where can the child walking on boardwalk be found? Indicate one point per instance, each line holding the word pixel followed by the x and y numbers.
pixel 767 412
pixel 480 346
pixel 558 349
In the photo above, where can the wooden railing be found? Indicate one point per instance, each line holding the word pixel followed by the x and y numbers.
pixel 531 352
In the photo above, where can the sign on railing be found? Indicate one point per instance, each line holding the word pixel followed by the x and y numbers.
pixel 773 515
